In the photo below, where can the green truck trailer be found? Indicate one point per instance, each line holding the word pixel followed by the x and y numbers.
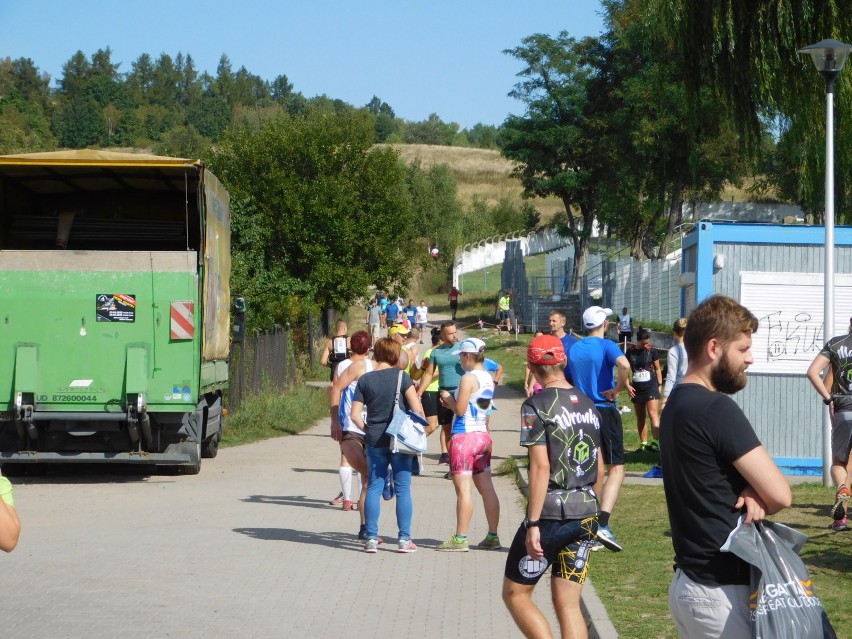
pixel 114 309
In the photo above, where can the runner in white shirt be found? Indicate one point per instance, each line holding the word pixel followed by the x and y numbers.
pixel 422 317
pixel 343 429
pixel 470 447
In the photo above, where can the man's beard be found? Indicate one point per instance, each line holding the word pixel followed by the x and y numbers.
pixel 726 378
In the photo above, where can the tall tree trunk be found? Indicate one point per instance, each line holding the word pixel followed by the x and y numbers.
pixel 675 218
pixel 581 238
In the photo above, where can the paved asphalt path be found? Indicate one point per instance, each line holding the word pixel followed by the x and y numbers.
pixel 251 548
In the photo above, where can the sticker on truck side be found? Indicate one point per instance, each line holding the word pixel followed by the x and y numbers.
pixel 115 307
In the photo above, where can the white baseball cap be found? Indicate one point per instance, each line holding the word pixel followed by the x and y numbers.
pixel 594 316
pixel 472 345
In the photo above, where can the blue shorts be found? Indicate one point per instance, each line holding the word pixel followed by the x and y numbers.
pixel 567 547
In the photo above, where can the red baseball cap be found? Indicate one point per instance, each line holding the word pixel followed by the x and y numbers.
pixel 546 349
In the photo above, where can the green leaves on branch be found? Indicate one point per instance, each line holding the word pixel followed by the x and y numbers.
pixel 319 214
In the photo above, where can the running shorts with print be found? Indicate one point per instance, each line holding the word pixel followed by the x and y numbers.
pixel 567 547
pixel 431 403
pixel 612 435
pixel 470 453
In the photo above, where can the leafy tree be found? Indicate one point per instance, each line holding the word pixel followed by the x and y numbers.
pixel 509 216
pixel 553 144
pixel 75 75
pixel 746 54
pixel 439 214
pixel 31 85
pixel 638 111
pixel 157 119
pixel 224 82
pixel 482 136
pixel 385 122
pixel 140 80
pixel 25 107
pixel 79 123
pixel 431 131
pixel 210 116
pixel 281 89
pixel 319 212
pixel 182 142
pixel 103 66
pixel 166 78
pixel 188 85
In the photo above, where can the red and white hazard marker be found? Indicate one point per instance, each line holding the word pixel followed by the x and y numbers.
pixel 182 320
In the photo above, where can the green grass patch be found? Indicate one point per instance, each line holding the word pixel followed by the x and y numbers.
pixel 633 584
pixel 273 414
pixel 488 279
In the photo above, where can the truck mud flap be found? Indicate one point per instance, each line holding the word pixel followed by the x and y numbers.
pixel 34 457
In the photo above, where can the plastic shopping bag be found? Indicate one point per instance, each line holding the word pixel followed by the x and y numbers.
pixel 782 603
pixel 408 432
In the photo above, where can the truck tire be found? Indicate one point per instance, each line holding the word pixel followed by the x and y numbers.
pixel 193 467
pixel 211 447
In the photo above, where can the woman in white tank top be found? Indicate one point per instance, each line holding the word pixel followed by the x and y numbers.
pixel 470 448
pixel 343 430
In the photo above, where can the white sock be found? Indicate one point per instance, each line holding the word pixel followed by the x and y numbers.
pixel 346 482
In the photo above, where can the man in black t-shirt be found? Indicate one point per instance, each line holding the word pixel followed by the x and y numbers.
pixel 836 393
pixel 714 470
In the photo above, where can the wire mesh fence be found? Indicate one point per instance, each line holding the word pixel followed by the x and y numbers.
pixel 263 362
pixel 650 289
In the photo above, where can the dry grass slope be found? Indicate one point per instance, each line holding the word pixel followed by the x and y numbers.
pixel 477 171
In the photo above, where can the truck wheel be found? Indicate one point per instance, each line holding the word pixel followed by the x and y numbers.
pixel 210 448
pixel 193 467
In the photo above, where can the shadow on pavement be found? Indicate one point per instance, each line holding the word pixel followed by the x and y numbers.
pixel 290 500
pixel 335 539
pixel 117 473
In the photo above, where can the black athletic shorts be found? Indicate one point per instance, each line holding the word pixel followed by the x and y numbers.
pixel 645 395
pixel 612 435
pixel 445 415
pixel 430 402
pixel 567 547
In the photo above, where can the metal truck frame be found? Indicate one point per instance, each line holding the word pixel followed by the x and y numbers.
pixel 114 309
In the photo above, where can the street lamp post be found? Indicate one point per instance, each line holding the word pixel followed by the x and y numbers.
pixel 828 56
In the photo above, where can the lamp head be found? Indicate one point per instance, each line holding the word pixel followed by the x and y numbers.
pixel 829 56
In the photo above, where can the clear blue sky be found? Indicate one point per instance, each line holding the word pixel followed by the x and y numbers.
pixel 440 56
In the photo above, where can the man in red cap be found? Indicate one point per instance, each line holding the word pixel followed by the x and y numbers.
pixel 561 429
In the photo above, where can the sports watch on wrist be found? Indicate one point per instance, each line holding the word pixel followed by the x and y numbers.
pixel 530 523
pixel 828 401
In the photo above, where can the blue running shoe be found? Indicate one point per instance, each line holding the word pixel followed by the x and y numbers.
pixel 607 538
pixel 656 472
pixel 387 493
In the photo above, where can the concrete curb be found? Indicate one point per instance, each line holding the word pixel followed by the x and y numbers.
pixel 600 626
